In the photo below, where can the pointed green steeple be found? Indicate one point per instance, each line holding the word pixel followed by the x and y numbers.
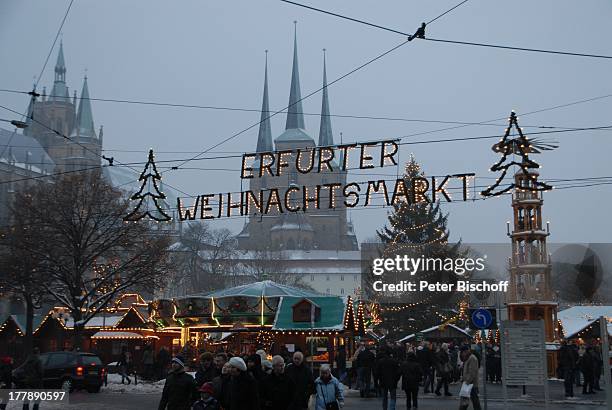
pixel 264 139
pixel 295 114
pixel 84 122
pixel 325 131
pixel 59 92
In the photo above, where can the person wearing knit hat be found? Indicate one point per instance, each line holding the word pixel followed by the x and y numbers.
pixel 180 390
pixel 243 388
pixel 237 363
pixel 207 400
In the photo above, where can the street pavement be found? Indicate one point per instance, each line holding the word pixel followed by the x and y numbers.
pixel 126 400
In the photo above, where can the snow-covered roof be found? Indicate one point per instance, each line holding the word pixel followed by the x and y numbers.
pixel 306 255
pixel 577 318
pixel 116 335
pixel 98 321
pixel 24 152
pixel 265 288
pixel 431 329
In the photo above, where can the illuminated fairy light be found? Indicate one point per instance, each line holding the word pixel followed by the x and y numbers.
pixel 522 147
pixel 149 174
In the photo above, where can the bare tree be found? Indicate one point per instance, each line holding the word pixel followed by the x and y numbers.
pixel 267 263
pixel 77 225
pixel 20 274
pixel 204 258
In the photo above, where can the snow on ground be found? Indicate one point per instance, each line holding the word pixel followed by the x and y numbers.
pixel 114 385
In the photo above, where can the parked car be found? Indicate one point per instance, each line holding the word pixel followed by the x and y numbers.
pixel 72 371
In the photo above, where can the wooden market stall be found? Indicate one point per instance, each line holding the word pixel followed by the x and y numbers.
pixel 264 315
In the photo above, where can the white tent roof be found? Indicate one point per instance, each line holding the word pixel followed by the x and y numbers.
pixel 431 329
pixel 578 318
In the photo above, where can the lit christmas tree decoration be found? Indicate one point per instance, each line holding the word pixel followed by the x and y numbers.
pixel 149 177
pixel 521 146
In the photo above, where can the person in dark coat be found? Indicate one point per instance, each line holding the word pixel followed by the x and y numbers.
pixel 221 386
pixel 219 361
pixel 443 368
pixel 587 367
pixel 568 359
pixel 412 374
pixel 277 390
pixel 365 364
pixel 244 392
pixel 388 374
pixel 597 366
pixel 125 364
pixel 205 371
pixel 207 400
pixel 180 390
pixel 303 380
pixel 341 363
pixel 425 359
pixel 253 363
pixel 162 361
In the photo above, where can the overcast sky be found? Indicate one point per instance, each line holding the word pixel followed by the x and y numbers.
pixel 212 53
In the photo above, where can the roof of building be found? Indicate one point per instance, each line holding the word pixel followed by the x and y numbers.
pixel 295 113
pixel 331 318
pixel 265 288
pixel 294 135
pixel 20 321
pixel 433 329
pixel 116 335
pixel 84 125
pixel 578 318
pixel 24 152
pixel 98 321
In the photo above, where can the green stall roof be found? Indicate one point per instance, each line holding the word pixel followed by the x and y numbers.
pixel 332 313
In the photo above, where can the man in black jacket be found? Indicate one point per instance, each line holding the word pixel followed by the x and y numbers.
pixel 388 374
pixel 205 371
pixel 568 358
pixel 412 374
pixel 303 380
pixel 365 364
pixel 244 390
pixel 180 390
pixel 425 359
pixel 277 390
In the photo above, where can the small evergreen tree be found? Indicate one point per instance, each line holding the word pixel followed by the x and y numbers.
pixel 145 195
pixel 418 229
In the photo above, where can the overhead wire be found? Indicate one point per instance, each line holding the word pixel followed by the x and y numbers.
pixel 302 99
pixel 225 108
pixel 172 161
pixel 381 27
pixel 33 93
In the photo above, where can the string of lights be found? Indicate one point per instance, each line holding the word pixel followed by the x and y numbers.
pixel 372 206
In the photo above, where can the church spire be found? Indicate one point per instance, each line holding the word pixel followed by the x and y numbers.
pixel 59 92
pixel 84 122
pixel 60 65
pixel 325 131
pixel 264 139
pixel 295 114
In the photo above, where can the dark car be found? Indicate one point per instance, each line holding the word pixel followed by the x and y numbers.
pixel 72 371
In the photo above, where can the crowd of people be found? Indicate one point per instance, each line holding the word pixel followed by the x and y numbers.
pixel 250 382
pixel 432 366
pixel 581 365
